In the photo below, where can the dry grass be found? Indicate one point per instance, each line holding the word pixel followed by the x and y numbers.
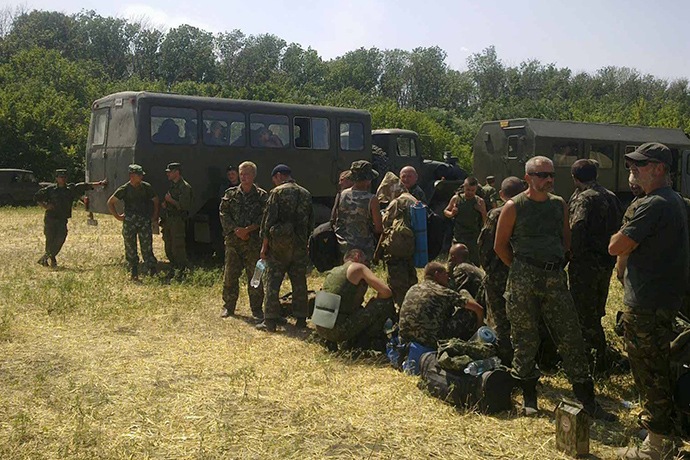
pixel 94 366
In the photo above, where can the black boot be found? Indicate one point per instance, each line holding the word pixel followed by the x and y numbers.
pixel 585 394
pixel 529 397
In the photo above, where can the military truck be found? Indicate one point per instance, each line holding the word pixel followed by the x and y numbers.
pixel 17 187
pixel 502 147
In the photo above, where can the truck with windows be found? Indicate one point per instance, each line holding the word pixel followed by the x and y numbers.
pixel 501 148
pixel 208 134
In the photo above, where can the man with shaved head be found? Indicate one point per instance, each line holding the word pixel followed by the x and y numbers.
pixel 408 177
pixel 463 275
pixel 468 212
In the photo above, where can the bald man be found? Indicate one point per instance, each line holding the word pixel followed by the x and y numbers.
pixel 409 177
pixel 463 275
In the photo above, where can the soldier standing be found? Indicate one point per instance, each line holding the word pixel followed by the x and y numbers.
pixel 141 213
pixel 468 212
pixel 656 241
pixel 532 237
pixel 177 205
pixel 285 228
pixel 401 270
pixel 490 194
pixel 595 215
pixel 57 200
pixel 497 271
pixel 241 210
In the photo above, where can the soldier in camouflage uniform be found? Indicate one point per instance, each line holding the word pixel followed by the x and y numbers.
pixel 177 205
pixel 432 312
pixel 468 212
pixel 57 200
pixel 489 193
pixel 532 237
pixel 285 228
pixel 357 326
pixel 595 215
pixel 656 241
pixel 497 272
pixel 141 213
pixel 463 275
pixel 409 177
pixel 241 210
pixel 402 274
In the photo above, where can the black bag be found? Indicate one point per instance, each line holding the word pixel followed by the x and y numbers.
pixel 323 248
pixel 488 392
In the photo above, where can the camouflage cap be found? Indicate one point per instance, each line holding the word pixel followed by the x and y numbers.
pixel 60 173
pixel 362 170
pixel 174 167
pixel 651 150
pixel 136 169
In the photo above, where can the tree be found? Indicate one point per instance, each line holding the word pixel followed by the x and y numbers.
pixel 187 54
pixel 359 69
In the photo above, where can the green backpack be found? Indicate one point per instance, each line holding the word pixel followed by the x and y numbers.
pixel 398 239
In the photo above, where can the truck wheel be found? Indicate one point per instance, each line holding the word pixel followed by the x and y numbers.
pixel 380 162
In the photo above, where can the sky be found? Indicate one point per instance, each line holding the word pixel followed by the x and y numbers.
pixel 582 35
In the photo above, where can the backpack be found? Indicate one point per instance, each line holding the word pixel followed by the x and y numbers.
pixel 398 239
pixel 323 247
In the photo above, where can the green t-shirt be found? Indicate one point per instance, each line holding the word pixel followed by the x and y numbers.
pixel 538 229
pixel 138 200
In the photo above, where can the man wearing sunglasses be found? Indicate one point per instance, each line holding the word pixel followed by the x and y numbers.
pixel 532 238
pixel 656 242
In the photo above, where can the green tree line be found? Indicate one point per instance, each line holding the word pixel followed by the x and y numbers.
pixel 54 65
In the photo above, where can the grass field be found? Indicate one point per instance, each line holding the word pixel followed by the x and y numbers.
pixel 93 366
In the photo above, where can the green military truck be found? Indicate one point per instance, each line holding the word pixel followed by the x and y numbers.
pixel 502 147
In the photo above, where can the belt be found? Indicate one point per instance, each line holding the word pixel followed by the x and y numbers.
pixel 546 266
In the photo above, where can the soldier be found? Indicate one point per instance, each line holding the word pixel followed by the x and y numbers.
pixel 409 177
pixel 177 205
pixel 595 215
pixel 468 212
pixel 432 312
pixel 638 194
pixel 231 180
pixel 532 238
pixel 463 275
pixel 490 194
pixel 57 200
pixel 656 241
pixel 357 326
pixel 402 273
pixel 240 213
pixel 358 215
pixel 141 213
pixel 285 229
pixel 497 272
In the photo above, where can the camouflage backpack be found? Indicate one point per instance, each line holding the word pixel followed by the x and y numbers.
pixel 398 239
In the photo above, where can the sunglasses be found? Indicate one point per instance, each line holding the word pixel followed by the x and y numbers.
pixel 638 163
pixel 543 174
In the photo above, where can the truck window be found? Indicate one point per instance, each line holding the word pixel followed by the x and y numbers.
pixel 173 125
pixel 302 132
pixel 565 154
pixel 223 128
pixel 602 153
pixel 351 136
pixel 406 146
pixel 269 131
pixel 100 125
pixel 321 133
pixel 513 147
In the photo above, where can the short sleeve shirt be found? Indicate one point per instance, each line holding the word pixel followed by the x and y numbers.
pixel 657 269
pixel 137 200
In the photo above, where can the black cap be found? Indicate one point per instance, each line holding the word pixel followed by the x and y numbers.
pixel 651 150
pixel 60 173
pixel 173 167
pixel 281 168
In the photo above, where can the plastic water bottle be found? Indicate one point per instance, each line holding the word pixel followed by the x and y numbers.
pixel 258 272
pixel 479 367
pixel 484 334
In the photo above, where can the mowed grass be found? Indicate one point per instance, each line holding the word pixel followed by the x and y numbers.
pixel 93 366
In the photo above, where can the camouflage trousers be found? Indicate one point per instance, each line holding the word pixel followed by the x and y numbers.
pixel 241 255
pixel 296 270
pixel 497 317
pixel 55 231
pixel 401 277
pixel 533 293
pixel 132 227
pixel 471 242
pixel 647 336
pixel 362 326
pixel 589 288
pixel 175 239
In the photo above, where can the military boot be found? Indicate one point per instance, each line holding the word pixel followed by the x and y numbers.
pixel 227 312
pixel 585 394
pixel 267 325
pixel 43 260
pixel 53 262
pixel 301 323
pixel 654 447
pixel 529 397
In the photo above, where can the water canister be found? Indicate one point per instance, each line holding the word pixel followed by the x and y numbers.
pixel 418 217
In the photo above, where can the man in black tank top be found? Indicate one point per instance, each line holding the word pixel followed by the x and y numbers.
pixel 532 237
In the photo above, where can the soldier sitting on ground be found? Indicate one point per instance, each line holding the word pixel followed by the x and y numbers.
pixel 432 312
pixel 357 326
pixel 463 275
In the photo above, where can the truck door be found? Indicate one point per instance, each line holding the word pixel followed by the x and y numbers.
pixel 97 157
pixel 685 174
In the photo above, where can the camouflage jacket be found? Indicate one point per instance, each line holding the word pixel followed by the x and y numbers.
pixel 595 215
pixel 61 198
pixel 490 262
pixel 490 195
pixel 181 192
pixel 289 211
pixel 431 312
pixel 465 276
pixel 239 210
pixel 354 225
